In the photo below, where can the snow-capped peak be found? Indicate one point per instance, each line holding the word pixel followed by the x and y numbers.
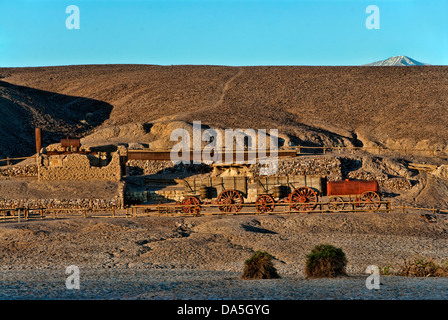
pixel 398 61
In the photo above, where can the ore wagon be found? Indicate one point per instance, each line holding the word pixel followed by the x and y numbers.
pixel 336 196
pixel 229 193
pixel 364 194
pixel 301 193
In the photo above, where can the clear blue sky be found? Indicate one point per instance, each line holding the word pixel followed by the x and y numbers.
pixel 221 32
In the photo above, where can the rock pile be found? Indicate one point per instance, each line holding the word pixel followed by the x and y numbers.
pixel 328 167
pixel 19 171
pixel 397 184
pixel 62 203
pixel 363 175
pixel 384 181
pixel 148 167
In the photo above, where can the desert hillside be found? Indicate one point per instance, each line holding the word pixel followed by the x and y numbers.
pixel 389 106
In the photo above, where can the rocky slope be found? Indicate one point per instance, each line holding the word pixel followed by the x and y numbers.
pixel 388 106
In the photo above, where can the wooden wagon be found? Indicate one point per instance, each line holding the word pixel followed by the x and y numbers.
pixel 301 193
pixel 229 192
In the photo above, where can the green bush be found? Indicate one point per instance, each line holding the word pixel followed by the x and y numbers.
pixel 325 261
pixel 259 266
pixel 386 271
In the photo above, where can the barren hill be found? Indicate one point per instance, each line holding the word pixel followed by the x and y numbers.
pixel 388 106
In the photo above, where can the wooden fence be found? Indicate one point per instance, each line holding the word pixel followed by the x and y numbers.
pixel 175 209
pixel 10 160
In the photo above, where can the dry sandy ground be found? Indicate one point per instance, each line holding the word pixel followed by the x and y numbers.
pixel 202 257
pixel 220 242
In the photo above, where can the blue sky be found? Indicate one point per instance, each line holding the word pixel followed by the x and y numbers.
pixel 221 32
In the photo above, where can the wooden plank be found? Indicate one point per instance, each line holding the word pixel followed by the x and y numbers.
pixel 422 167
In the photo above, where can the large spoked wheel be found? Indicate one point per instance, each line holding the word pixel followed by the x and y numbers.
pixel 191 205
pixel 370 200
pixel 265 203
pixel 230 201
pixel 336 204
pixel 303 199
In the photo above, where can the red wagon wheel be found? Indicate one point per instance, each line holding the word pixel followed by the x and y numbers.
pixel 191 205
pixel 303 199
pixel 370 200
pixel 336 204
pixel 230 201
pixel 265 203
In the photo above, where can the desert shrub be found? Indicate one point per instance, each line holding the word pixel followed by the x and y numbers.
pixel 422 267
pixel 259 266
pixel 386 271
pixel 325 261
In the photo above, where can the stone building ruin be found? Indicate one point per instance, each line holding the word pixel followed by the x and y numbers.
pixel 79 167
pixel 62 162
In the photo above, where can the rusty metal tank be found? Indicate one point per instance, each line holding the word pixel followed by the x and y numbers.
pixel 71 143
pixel 351 187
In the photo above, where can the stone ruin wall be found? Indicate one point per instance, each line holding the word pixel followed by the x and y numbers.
pixel 79 167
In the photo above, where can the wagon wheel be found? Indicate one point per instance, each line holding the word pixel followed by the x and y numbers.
pixel 370 200
pixel 303 199
pixel 230 201
pixel 191 205
pixel 336 204
pixel 265 203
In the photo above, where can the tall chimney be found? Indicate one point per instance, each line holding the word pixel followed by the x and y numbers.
pixel 38 139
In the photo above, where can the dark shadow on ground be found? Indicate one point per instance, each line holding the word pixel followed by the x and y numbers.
pixel 22 109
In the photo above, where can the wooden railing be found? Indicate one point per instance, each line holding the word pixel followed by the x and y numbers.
pixel 175 209
pixel 9 160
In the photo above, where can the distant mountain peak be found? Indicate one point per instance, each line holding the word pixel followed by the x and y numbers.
pixel 398 61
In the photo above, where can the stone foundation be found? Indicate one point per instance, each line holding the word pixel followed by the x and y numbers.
pixel 79 167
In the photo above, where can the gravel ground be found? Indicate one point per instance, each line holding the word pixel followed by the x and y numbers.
pixel 165 258
pixel 210 285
